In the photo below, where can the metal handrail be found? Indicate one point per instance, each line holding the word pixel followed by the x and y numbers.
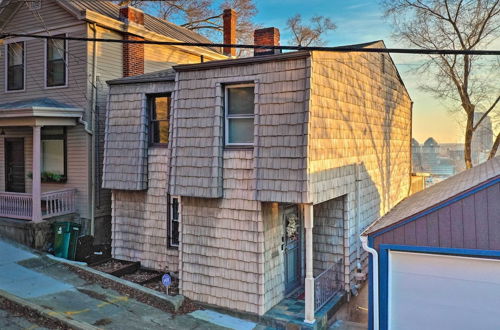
pixel 327 284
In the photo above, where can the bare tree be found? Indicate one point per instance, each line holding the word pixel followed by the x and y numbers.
pixel 471 82
pixel 204 16
pixel 309 34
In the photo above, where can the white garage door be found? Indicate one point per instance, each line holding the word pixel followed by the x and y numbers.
pixel 433 291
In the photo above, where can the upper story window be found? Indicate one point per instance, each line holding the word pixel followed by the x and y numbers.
pixel 15 66
pixel 53 142
pixel 56 62
pixel 239 114
pixel 159 111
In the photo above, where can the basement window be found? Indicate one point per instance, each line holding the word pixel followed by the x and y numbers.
pixel 174 221
pixel 239 107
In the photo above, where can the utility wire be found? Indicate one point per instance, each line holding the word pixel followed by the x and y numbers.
pixel 343 49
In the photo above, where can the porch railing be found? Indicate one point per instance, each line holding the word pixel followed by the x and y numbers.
pixel 58 202
pixel 16 205
pixel 54 203
pixel 327 284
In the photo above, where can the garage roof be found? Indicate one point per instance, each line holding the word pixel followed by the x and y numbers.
pixel 438 194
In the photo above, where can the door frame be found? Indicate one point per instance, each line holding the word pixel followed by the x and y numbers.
pixel 384 250
pixel 299 249
pixel 6 141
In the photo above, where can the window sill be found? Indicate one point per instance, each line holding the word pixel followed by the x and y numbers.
pixel 242 147
pixel 15 91
pixel 63 181
pixel 158 145
pixel 56 87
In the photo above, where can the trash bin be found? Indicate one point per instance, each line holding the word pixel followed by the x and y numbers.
pixel 65 239
pixel 73 242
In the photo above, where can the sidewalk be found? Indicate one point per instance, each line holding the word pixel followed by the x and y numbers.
pixel 51 285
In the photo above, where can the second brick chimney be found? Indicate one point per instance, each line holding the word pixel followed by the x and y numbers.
pixel 129 14
pixel 229 17
pixel 133 54
pixel 266 37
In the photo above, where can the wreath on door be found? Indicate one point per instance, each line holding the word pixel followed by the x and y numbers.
pixel 291 227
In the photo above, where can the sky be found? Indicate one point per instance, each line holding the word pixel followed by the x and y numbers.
pixel 360 21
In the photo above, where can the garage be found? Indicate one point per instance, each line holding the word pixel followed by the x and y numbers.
pixel 451 292
pixel 435 257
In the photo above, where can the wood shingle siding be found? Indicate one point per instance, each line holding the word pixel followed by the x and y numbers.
pixel 279 134
pixel 126 140
pixel 223 241
pixel 139 230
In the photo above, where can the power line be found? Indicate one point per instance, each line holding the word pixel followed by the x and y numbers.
pixel 342 49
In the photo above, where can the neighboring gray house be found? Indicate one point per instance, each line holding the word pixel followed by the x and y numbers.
pixel 253 176
pixel 52 105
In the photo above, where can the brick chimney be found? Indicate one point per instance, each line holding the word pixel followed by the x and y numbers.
pixel 229 17
pixel 130 14
pixel 133 54
pixel 266 37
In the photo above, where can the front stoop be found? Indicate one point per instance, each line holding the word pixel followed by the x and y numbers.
pixel 36 235
pixel 289 314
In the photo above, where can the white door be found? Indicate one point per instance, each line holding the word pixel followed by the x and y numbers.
pixel 435 291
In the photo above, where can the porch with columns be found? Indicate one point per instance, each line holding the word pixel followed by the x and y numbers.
pixel 16 117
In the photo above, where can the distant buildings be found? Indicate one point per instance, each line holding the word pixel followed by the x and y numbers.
pixel 482 140
pixel 435 159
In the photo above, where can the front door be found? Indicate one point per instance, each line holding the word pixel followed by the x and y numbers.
pixel 292 247
pixel 14 165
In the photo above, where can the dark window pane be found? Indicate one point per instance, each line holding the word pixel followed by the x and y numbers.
pixel 15 79
pixel 175 209
pixel 56 72
pixel 175 233
pixel 240 100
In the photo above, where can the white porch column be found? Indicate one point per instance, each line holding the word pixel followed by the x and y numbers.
pixel 309 280
pixel 36 190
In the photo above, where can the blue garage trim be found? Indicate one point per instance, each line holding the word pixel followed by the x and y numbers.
pixel 384 269
pixel 437 207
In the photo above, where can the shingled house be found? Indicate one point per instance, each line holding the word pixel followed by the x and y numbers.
pixel 52 106
pixel 253 177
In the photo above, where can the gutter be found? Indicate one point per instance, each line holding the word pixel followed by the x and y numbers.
pixel 374 271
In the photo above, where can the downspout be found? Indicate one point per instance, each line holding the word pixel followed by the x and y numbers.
pixel 374 270
pixel 358 213
pixel 93 113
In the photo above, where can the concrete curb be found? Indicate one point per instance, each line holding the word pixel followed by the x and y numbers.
pixel 173 301
pixel 47 313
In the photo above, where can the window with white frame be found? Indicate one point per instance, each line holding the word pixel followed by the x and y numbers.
pixel 56 62
pixel 174 221
pixel 15 66
pixel 239 107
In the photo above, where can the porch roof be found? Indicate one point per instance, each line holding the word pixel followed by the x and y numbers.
pixel 40 107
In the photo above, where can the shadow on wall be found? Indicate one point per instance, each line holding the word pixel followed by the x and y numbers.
pixel 387 148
